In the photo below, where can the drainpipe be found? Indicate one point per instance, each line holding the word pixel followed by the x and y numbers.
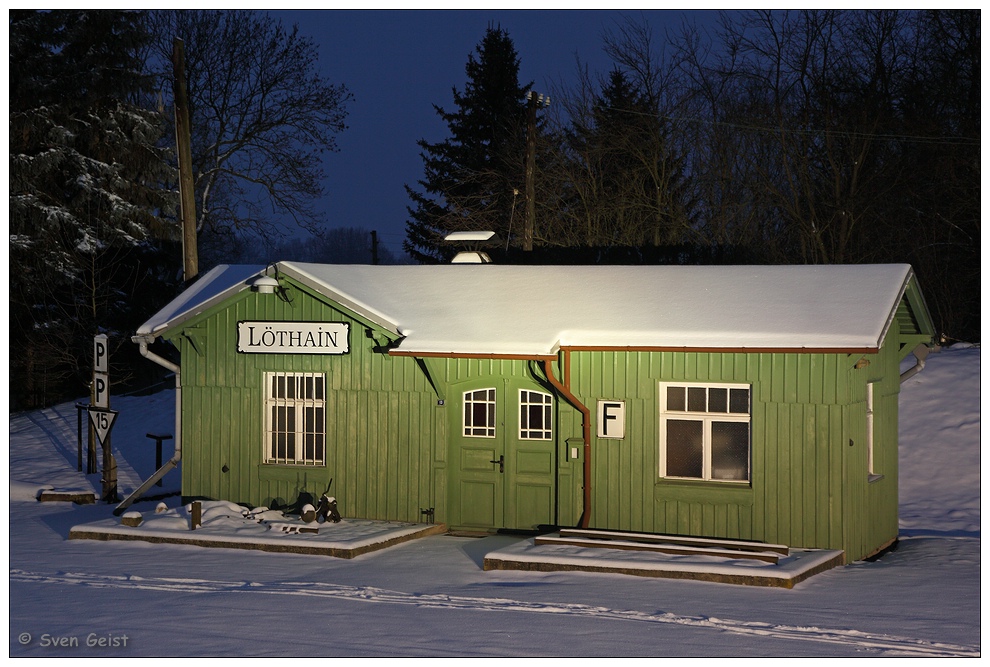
pixel 565 391
pixel 174 461
pixel 920 353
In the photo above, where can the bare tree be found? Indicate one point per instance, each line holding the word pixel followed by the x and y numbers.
pixel 807 100
pixel 262 116
pixel 623 167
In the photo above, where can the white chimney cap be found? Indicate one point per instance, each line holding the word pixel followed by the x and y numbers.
pixel 469 236
pixel 471 257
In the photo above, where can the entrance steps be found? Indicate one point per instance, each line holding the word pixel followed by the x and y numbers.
pixel 668 544
pixel 665 556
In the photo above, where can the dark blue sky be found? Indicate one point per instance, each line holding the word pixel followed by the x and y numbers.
pixel 398 64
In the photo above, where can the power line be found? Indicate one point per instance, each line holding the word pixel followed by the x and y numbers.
pixel 945 141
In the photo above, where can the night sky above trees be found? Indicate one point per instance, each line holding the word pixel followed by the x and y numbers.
pixel 669 146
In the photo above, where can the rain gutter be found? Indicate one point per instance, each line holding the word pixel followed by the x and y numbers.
pixel 143 341
pixel 920 353
pixel 565 391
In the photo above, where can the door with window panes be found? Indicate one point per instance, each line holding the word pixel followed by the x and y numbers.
pixel 503 457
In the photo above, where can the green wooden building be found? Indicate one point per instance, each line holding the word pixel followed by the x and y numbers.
pixel 755 402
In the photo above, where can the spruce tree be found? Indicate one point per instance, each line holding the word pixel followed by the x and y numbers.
pixel 474 179
pixel 87 186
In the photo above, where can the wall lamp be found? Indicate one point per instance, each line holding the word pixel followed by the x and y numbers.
pixel 265 285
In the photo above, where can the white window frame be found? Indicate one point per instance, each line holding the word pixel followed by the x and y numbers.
pixel 707 418
pixel 527 401
pixel 297 404
pixel 484 396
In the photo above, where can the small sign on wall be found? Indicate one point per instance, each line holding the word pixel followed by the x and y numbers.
pixel 611 419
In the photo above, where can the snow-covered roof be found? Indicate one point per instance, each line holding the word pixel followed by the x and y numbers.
pixel 536 310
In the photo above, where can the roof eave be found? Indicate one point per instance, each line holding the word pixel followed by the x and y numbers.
pixel 303 277
pixel 160 329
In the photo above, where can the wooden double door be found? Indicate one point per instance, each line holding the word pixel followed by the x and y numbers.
pixel 502 456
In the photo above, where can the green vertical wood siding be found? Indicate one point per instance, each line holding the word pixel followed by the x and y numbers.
pixel 381 427
pixel 809 487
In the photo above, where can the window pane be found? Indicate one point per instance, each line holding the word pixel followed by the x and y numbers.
pixel 675 399
pixel 536 416
pixel 730 450
pixel 696 399
pixel 718 400
pixel 314 439
pixel 684 448
pixel 290 428
pixel 313 420
pixel 480 414
pixel 739 401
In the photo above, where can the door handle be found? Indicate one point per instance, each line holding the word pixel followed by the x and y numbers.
pixel 501 463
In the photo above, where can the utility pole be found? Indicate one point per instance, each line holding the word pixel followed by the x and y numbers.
pixel 183 140
pixel 374 247
pixel 535 101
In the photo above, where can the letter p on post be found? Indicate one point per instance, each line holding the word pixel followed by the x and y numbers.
pixel 101 371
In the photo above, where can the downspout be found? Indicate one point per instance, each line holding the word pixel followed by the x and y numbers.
pixel 565 391
pixel 174 461
pixel 920 353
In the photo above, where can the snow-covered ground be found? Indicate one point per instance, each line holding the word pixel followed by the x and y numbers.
pixel 430 597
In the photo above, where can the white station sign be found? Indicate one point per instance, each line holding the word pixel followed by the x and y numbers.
pixel 292 337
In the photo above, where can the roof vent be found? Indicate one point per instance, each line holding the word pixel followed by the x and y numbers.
pixel 472 242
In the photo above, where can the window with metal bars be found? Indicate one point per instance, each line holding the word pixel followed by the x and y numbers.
pixel 295 418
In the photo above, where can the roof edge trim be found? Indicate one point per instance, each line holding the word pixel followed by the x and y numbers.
pixel 293 271
pixel 892 315
pixel 726 350
pixel 632 348
pixel 472 355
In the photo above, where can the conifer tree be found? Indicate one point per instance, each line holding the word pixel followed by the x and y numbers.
pixel 473 179
pixel 86 189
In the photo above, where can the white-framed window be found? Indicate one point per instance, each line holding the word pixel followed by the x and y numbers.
pixel 535 415
pixel 479 413
pixel 705 431
pixel 295 418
